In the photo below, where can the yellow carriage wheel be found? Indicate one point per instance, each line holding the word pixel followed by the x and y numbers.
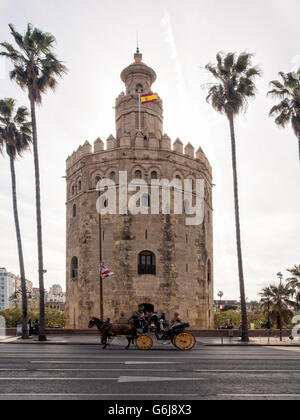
pixel 184 341
pixel 144 342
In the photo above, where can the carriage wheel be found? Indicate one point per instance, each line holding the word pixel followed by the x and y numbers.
pixel 144 342
pixel 184 341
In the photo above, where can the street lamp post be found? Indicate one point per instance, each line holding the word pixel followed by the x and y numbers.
pixel 269 323
pixel 279 275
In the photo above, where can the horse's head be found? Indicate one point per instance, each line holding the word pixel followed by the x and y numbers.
pixel 92 322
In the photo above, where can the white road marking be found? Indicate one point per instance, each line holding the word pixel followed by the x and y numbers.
pixel 155 379
pixel 57 362
pixel 259 395
pixel 104 370
pixel 135 362
pixel 247 370
pixel 58 379
pixel 99 395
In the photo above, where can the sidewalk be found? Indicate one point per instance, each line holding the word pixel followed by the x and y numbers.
pixel 120 341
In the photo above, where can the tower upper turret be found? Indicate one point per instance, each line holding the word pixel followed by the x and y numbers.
pixel 138 79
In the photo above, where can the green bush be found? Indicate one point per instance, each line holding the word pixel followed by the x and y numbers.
pixel 53 317
pixel 221 318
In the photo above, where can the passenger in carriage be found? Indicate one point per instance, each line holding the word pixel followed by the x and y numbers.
pixel 175 320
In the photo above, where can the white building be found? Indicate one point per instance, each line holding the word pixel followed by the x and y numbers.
pixel 56 298
pixel 7 288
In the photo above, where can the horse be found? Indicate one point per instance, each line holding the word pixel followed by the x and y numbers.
pixel 106 329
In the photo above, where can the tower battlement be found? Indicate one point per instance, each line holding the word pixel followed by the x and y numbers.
pixel 151 144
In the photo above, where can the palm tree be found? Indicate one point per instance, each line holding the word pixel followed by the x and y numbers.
pixel 15 137
pixel 288 110
pixel 294 283
pixel 35 70
pixel 229 96
pixel 277 296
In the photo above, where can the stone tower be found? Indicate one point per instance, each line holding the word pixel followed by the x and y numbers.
pixel 157 259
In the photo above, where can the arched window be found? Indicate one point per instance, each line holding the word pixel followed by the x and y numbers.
pixel 97 179
pixel 74 210
pixel 138 174
pixel 146 263
pixel 79 185
pixel 139 88
pixel 73 190
pixel 112 175
pixel 153 175
pixel 208 272
pixel 178 177
pixel 74 268
pixel 145 200
pixel 186 206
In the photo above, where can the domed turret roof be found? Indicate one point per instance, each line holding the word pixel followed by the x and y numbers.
pixel 137 68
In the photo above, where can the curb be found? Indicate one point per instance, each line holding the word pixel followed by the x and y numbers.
pixel 16 340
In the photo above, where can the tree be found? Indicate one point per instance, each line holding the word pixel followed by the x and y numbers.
pixel 15 137
pixel 272 297
pixel 288 109
pixel 35 70
pixel 294 283
pixel 229 96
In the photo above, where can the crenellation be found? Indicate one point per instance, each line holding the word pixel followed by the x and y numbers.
pixel 153 141
pixel 86 148
pixel 125 140
pixel 189 150
pixel 139 140
pixel 111 142
pixel 98 145
pixel 178 146
pixel 166 142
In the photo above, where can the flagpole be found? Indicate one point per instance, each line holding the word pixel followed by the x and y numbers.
pixel 139 112
pixel 100 262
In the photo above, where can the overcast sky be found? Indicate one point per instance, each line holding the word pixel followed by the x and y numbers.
pixel 96 39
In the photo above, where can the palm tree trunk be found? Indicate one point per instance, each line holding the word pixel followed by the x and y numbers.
pixel 42 333
pixel 245 336
pixel 20 249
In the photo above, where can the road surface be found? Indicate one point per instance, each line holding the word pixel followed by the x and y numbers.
pixel 41 371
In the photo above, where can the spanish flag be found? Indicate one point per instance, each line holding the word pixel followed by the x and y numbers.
pixel 150 97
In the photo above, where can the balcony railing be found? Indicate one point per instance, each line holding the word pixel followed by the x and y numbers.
pixel 146 269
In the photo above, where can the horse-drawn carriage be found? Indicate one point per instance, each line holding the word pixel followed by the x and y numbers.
pixel 143 338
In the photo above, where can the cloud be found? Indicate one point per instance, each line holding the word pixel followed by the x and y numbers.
pixel 170 40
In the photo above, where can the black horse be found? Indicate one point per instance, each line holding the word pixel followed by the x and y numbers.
pixel 106 329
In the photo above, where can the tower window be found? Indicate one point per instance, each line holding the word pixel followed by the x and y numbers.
pixel 153 175
pixel 146 200
pixel 208 272
pixel 74 210
pixel 139 88
pixel 97 179
pixel 79 185
pixel 74 268
pixel 146 263
pixel 186 206
pixel 73 190
pixel 138 174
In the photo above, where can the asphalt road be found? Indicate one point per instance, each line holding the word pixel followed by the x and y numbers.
pixel 41 371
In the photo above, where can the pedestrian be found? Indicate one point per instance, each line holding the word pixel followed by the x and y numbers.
pixel 36 327
pixel 30 327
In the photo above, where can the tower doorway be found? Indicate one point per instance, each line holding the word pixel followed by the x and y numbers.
pixel 146 307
